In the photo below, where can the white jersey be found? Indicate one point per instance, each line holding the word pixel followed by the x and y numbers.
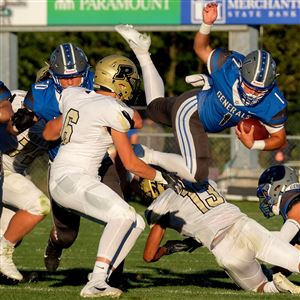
pixel 202 215
pixel 87 117
pixel 23 149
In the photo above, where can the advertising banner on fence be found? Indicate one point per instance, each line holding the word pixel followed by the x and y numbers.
pixel 144 12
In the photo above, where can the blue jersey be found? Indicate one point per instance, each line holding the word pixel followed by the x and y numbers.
pixel 43 99
pixel 220 105
pixel 6 140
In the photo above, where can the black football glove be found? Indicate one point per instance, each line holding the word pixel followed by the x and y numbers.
pixel 22 119
pixel 186 245
pixel 173 182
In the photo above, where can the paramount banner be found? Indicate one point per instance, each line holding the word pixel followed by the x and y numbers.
pixel 144 12
pixel 108 12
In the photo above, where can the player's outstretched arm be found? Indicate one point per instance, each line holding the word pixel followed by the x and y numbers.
pixel 153 252
pixel 201 41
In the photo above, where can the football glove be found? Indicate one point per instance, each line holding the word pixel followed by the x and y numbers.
pixel 186 245
pixel 173 182
pixel 22 119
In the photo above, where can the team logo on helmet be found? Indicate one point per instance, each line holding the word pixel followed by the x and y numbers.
pixel 117 74
pixel 272 183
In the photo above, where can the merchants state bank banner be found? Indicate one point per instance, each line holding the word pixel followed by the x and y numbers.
pixel 144 12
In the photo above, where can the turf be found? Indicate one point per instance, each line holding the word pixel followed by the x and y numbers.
pixel 179 276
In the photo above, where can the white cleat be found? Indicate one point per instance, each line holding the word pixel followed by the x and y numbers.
pixel 7 266
pixel 136 40
pixel 283 285
pixel 95 289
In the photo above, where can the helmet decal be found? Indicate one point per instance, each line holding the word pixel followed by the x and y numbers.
pixel 117 74
pixel 68 61
pixel 272 183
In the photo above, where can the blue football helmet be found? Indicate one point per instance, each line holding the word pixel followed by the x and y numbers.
pixel 271 185
pixel 5 93
pixel 67 61
pixel 258 73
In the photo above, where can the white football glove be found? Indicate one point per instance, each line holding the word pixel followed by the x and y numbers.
pixel 196 80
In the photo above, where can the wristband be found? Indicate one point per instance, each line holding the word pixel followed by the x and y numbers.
pixel 205 28
pixel 259 145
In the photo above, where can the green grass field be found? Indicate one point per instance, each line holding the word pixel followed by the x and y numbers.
pixel 179 276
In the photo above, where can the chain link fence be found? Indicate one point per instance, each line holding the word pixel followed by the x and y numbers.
pixel 155 137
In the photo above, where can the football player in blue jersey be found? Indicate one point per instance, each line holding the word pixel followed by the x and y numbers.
pixel 240 86
pixel 68 66
pixel 237 88
pixel 5 114
pixel 278 192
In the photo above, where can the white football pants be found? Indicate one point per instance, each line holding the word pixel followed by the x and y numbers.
pixel 246 243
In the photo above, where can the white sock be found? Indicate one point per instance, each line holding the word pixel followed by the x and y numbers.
pixel 153 83
pixel 100 270
pixel 4 241
pixel 270 287
pixel 171 162
pixel 143 57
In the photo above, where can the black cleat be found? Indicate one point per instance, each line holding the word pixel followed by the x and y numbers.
pixel 52 257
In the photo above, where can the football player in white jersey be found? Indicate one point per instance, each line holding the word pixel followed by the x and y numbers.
pixel 25 205
pixel 237 241
pixel 91 123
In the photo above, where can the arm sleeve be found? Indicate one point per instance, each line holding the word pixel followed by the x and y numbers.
pixel 288 230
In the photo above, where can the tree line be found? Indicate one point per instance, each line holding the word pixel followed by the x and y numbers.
pixel 173 55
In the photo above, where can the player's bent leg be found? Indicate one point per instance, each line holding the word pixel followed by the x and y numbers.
pixel 63 234
pixel 191 136
pixel 21 193
pixel 270 249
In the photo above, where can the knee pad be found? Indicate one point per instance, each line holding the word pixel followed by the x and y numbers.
pixel 124 213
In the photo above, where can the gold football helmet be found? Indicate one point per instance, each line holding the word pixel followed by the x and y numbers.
pixel 151 189
pixel 42 73
pixel 117 74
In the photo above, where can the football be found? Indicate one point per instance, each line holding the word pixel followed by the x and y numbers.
pixel 260 132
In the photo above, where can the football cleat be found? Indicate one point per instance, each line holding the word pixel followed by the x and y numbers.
pixel 7 266
pixel 283 285
pixel 52 257
pixel 95 289
pixel 136 40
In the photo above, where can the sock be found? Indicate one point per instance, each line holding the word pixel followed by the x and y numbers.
pixel 270 287
pixel 4 241
pixel 143 57
pixel 100 270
